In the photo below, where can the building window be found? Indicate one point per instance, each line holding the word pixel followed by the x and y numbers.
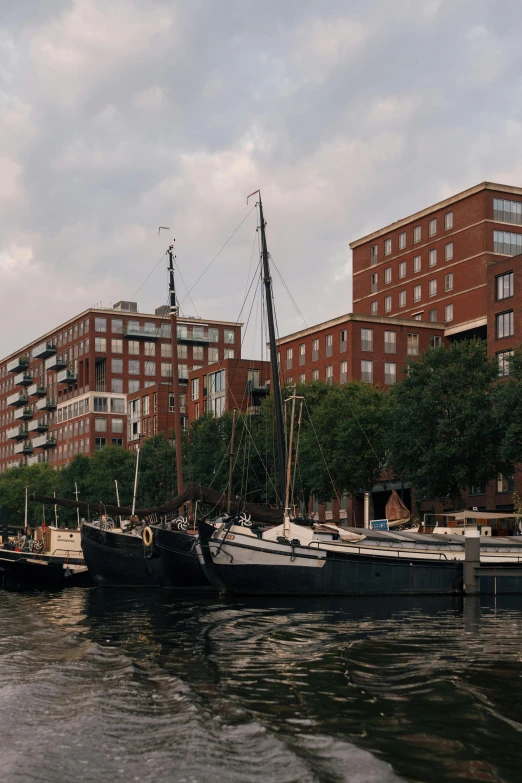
pixel 402 240
pixel 390 342
pixel 505 326
pixel 505 482
pixel 432 288
pixel 417 234
pixel 117 425
pixel 302 353
pixel 507 211
pixel 229 336
pixel 100 324
pixel 315 349
pixel 343 369
pixel 116 346
pixel 289 358
pixel 503 358
pixel 213 355
pixel 432 258
pixel 149 349
pixel 197 353
pixel 387 247
pixel 99 444
pixel 166 350
pixel 417 293
pixel 100 405
pixel 100 424
pixel 367 371
pixel 432 316
pixel 448 282
pixel 387 304
pixel 388 274
pixel 402 269
pixel 417 264
pixel 448 220
pixel 134 367
pixel 166 369
pixel 504 285
pixel 366 339
pixel 228 353
pixel 373 254
pixel 302 378
pixel 195 389
pixel 182 352
pixel 328 342
pixel 448 251
pixel 117 326
pixel 100 344
pixel 390 373
pixel 343 340
pixel 329 373
pixel 134 386
pixel 118 405
pixel 435 341
pixel 117 366
pixel 432 227
pixel 315 375
pixel 133 348
pixel 448 313
pixel 402 298
pixel 418 316
pixel 413 344
pixel 373 282
pixel 506 242
pixel 117 442
pixel 117 385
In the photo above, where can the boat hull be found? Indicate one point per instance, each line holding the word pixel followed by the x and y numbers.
pixel 22 570
pixel 115 558
pixel 239 565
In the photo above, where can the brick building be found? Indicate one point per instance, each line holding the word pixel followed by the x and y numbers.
pixel 228 384
pixel 432 265
pixel 66 392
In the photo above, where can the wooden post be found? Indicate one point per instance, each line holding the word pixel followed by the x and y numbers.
pixel 471 562
pixel 231 463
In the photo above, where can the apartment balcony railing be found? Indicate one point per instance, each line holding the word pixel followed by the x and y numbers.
pixel 135 331
pixel 257 391
pixel 57 362
pixel 24 414
pixel 194 335
pixel 46 404
pixel 26 447
pixel 23 379
pixel 36 390
pixel 44 442
pixel 68 377
pixel 17 433
pixel 18 399
pixel 45 349
pixel 34 460
pixel 39 425
pixel 18 364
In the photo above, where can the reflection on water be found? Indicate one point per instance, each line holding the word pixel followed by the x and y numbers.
pixel 150 686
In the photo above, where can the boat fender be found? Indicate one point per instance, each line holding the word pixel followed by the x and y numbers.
pixel 147 537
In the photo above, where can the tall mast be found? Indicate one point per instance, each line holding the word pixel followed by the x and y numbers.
pixel 278 403
pixel 175 369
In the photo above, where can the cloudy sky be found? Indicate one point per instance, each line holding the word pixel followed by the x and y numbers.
pixel 118 116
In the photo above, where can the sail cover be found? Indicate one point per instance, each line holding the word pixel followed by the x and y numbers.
pixel 396 512
pixel 194 492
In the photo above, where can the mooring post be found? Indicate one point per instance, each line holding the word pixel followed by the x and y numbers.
pixel 5 524
pixel 367 510
pixel 471 562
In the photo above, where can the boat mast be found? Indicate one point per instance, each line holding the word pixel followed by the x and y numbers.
pixel 175 370
pixel 278 404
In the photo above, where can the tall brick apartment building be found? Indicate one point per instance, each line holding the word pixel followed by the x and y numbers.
pixel 432 265
pixel 66 392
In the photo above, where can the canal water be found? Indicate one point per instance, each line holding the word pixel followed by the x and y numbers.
pixel 123 685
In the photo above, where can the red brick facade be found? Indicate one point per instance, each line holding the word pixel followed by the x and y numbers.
pixel 225 385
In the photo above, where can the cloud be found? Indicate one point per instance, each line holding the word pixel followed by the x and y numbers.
pixel 119 117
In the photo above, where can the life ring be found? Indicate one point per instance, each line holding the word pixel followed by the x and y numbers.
pixel 147 537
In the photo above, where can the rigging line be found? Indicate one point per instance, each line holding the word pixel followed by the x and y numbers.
pixel 219 252
pixel 381 460
pixel 320 449
pixel 186 289
pixel 141 286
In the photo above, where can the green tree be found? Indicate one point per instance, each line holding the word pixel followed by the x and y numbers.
pixel 157 472
pixel 508 413
pixel 443 434
pixel 40 479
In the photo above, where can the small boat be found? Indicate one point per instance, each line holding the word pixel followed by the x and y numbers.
pixel 51 559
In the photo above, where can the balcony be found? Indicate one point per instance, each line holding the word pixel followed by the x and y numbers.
pixel 18 399
pixel 39 425
pixel 69 377
pixel 34 460
pixel 23 379
pixel 56 362
pixel 44 350
pixel 26 447
pixel 17 433
pixel 24 414
pixel 36 390
pixel 134 331
pixel 193 335
pixel 44 442
pixel 257 391
pixel 46 404
pixel 18 364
